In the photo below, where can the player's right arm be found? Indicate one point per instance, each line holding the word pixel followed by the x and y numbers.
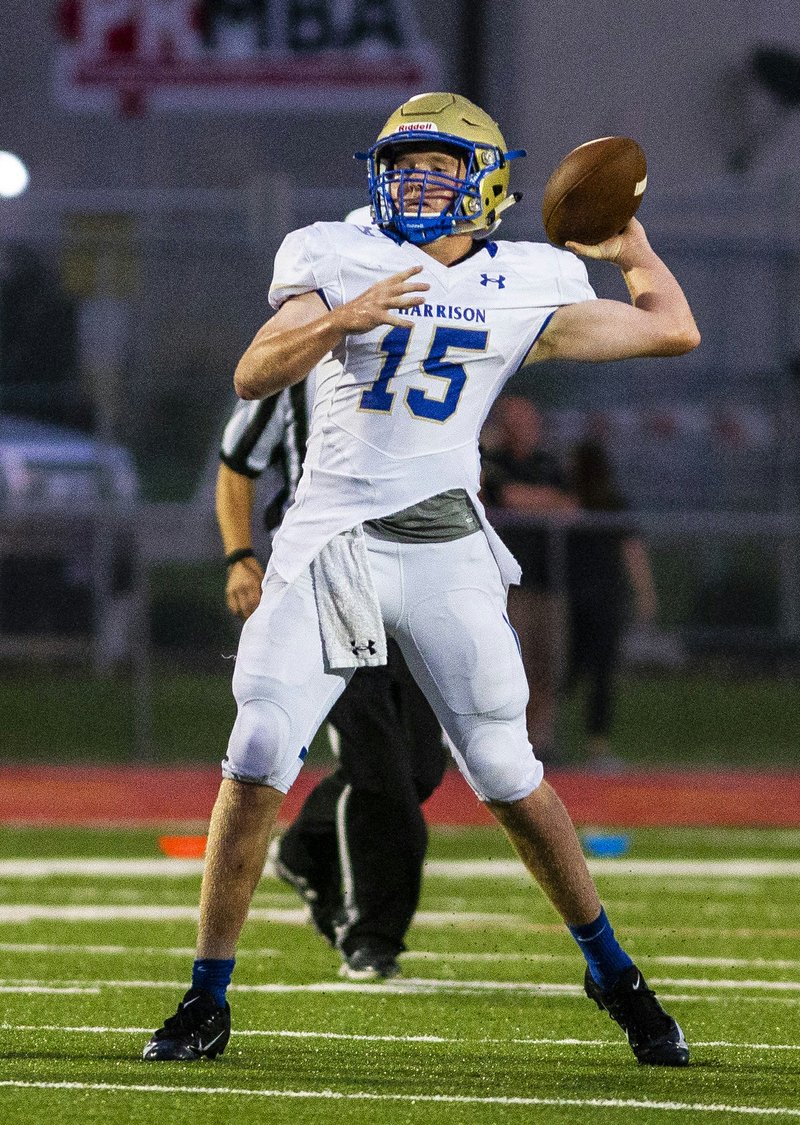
pixel 657 322
pixel 304 330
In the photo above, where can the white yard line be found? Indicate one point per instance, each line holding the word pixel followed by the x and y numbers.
pixel 122 950
pixel 413 986
pixel 718 932
pixel 402 1039
pixel 397 991
pixel 283 1034
pixel 402 985
pixel 428 955
pixel 160 867
pixel 13 914
pixel 445 956
pixel 34 912
pixel 724 962
pixel 48 990
pixel 163 867
pixel 441 1099
pixel 657 868
pixel 435 955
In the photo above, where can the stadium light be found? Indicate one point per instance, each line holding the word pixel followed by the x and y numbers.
pixel 14 176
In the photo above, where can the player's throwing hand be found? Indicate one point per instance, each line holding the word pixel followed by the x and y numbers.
pixel 617 248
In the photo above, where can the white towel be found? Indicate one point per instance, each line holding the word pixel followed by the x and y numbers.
pixel 350 619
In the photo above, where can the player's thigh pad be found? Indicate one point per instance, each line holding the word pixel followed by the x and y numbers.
pixel 282 690
pixel 456 619
pixel 457 627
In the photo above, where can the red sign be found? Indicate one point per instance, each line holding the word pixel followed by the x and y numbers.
pixel 240 55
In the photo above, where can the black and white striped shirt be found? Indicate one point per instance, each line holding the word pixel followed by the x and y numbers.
pixel 270 433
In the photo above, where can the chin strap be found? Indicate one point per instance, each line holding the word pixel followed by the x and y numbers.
pixel 509 201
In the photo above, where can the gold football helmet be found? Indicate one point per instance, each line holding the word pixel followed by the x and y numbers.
pixel 480 192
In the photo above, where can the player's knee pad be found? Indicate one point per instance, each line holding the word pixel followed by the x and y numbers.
pixel 501 765
pixel 261 748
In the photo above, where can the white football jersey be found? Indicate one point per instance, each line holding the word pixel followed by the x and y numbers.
pixel 399 420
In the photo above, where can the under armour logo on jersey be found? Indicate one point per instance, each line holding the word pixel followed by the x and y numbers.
pixel 368 647
pixel 499 281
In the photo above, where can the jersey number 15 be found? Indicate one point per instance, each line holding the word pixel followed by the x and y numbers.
pixel 394 345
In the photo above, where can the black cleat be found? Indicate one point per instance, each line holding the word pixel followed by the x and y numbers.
pixel 369 964
pixel 654 1037
pixel 199 1029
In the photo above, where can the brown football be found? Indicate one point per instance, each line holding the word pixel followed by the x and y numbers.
pixel 594 191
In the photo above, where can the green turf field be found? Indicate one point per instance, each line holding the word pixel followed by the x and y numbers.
pixel 683 719
pixel 487 1024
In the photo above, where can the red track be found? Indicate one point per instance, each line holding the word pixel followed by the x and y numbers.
pixel 62 795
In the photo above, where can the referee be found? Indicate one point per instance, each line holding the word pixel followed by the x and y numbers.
pixel 356 850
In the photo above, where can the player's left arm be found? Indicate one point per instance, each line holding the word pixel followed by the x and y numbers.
pixel 657 322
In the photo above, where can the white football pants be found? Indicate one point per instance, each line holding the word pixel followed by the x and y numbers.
pixel 445 605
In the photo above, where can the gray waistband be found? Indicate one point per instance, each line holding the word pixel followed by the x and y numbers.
pixel 439 519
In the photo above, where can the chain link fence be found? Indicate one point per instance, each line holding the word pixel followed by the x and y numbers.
pixel 168 287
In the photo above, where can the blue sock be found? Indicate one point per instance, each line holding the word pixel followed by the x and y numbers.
pixel 606 958
pixel 214 976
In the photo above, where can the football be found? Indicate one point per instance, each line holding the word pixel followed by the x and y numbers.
pixel 594 191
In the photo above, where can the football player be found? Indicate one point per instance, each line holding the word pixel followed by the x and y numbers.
pixel 430 315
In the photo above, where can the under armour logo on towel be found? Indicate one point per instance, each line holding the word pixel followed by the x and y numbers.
pixel 499 281
pixel 368 647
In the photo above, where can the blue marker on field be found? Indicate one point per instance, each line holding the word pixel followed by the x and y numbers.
pixel 609 846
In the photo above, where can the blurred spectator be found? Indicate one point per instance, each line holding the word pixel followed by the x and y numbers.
pixel 38 342
pixel 604 567
pixel 522 478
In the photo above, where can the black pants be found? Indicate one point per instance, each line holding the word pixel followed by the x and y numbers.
pixel 360 838
pixel 596 625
